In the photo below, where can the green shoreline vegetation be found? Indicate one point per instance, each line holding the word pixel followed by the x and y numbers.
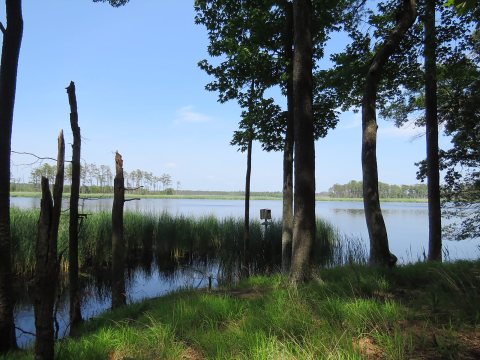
pixel 421 311
pixel 209 197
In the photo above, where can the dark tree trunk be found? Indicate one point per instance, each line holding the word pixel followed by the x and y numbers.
pixel 304 219
pixel 379 250
pixel 75 312
pixel 119 297
pixel 433 170
pixel 12 39
pixel 287 218
pixel 246 235
pixel 46 269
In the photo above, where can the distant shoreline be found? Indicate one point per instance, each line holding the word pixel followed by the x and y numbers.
pixel 208 197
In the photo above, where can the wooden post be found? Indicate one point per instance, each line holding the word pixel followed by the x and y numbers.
pixel 46 269
pixel 119 297
pixel 209 282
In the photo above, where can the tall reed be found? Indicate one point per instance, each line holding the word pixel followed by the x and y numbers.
pixel 205 238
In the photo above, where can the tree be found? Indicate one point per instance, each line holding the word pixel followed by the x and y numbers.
pixel 119 297
pixel 12 38
pixel 433 168
pixel 379 250
pixel 75 309
pixel 304 208
pixel 47 264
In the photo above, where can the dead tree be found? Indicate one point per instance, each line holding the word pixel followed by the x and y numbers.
pixel 46 269
pixel 119 297
pixel 75 310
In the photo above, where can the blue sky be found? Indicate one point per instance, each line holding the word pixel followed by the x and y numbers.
pixel 140 91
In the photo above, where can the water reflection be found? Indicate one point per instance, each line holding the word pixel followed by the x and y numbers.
pixel 151 277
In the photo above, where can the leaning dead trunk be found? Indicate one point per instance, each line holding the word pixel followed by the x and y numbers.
pixel 379 250
pixel 46 268
pixel 119 298
pixel 433 169
pixel 75 312
pixel 287 218
pixel 12 39
pixel 303 248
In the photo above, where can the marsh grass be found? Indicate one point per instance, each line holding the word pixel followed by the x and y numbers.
pixel 358 312
pixel 205 238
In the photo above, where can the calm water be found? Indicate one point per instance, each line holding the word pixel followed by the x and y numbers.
pixel 407 226
pixel 407 223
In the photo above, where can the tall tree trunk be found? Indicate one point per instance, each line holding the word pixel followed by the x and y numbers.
pixel 379 250
pixel 287 218
pixel 12 39
pixel 119 297
pixel 246 235
pixel 303 254
pixel 46 269
pixel 433 170
pixel 75 310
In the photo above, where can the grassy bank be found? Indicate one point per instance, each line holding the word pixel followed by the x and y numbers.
pixel 209 197
pixel 420 311
pixel 178 237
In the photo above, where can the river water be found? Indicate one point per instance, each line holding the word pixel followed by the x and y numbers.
pixel 407 226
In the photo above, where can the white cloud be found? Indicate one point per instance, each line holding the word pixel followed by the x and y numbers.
pixel 354 123
pixel 407 132
pixel 186 114
pixel 211 177
pixel 172 165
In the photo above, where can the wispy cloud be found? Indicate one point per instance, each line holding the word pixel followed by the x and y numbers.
pixel 211 177
pixel 172 165
pixel 407 132
pixel 354 122
pixel 186 114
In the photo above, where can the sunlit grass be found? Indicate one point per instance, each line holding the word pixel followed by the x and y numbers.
pixel 357 312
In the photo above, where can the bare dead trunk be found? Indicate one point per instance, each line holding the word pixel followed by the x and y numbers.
pixel 303 254
pixel 379 250
pixel 46 269
pixel 433 169
pixel 119 297
pixel 75 310
pixel 246 236
pixel 287 218
pixel 12 39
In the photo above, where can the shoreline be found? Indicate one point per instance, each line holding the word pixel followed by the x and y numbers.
pixel 208 197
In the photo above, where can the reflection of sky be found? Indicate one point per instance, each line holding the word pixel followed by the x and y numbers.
pixel 139 285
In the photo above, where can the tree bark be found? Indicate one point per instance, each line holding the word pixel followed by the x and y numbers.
pixel 119 297
pixel 12 39
pixel 433 169
pixel 246 235
pixel 287 218
pixel 379 250
pixel 304 219
pixel 46 268
pixel 75 310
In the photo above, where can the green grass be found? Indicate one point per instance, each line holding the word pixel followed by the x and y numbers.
pixel 381 200
pixel 179 237
pixel 416 311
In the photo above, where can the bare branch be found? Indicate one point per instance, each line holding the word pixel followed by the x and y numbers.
pixel 2 28
pixel 130 199
pixel 25 332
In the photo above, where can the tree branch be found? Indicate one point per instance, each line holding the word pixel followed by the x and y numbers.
pixel 130 199
pixel 2 28
pixel 25 332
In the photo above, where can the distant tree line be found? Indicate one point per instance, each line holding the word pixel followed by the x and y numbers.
pixel 354 189
pixel 99 179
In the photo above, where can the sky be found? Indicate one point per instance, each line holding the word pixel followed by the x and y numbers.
pixel 139 91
